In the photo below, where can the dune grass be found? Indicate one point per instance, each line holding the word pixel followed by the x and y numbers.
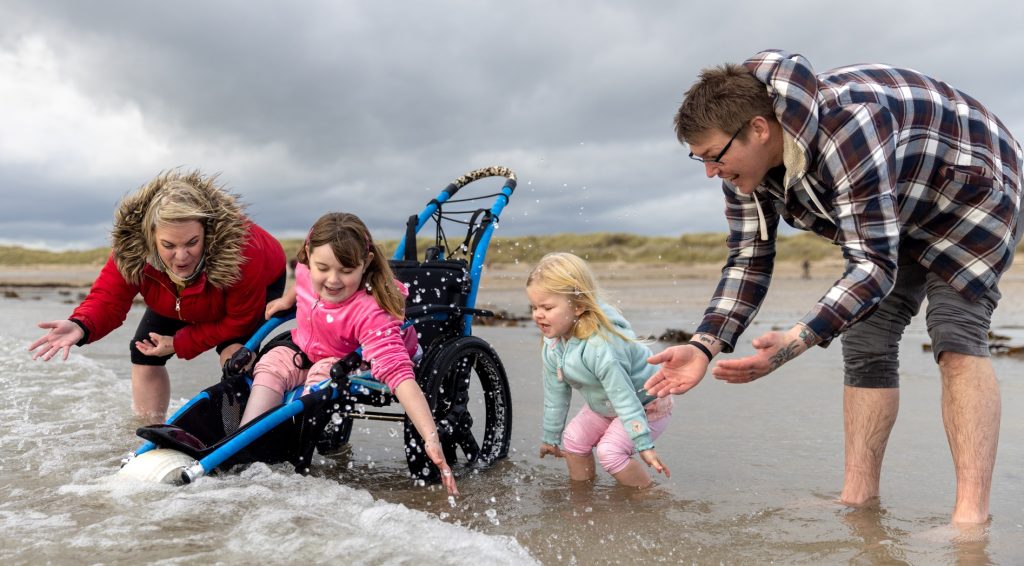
pixel 597 247
pixel 699 248
pixel 14 255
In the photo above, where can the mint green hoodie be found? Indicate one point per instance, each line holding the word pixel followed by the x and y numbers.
pixel 608 371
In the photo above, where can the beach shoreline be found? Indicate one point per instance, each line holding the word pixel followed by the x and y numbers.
pixel 48 275
pixel 755 467
pixel 511 276
pixel 497 275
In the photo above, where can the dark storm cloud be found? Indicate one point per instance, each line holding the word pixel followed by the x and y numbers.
pixel 374 106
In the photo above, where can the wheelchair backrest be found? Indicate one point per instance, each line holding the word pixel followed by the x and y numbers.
pixel 442 282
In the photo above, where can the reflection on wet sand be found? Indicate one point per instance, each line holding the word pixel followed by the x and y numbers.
pixel 968 544
pixel 756 468
pixel 885 543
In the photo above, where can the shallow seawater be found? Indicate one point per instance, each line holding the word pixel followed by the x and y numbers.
pixel 755 469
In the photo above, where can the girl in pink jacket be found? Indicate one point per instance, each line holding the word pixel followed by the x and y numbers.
pixel 346 296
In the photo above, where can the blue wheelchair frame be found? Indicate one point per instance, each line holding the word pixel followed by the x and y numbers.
pixel 322 419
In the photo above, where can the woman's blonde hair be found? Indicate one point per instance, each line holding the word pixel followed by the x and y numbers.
pixel 177 201
pixel 566 274
pixel 351 242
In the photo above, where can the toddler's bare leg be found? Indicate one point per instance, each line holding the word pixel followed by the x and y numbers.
pixel 581 466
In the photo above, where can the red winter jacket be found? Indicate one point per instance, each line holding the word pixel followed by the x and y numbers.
pixel 214 314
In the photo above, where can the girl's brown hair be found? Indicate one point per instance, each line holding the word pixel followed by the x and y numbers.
pixel 568 275
pixel 352 244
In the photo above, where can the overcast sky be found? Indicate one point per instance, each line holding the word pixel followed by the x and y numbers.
pixel 373 106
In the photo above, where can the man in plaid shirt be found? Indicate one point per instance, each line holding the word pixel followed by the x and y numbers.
pixel 920 186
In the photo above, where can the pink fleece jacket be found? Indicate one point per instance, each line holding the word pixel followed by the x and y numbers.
pixel 325 330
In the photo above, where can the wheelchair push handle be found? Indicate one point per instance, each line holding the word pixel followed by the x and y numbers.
pixel 406 249
pixel 482 173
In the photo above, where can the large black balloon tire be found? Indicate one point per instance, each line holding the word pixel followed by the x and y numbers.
pixel 446 375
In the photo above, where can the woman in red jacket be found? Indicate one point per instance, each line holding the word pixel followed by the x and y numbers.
pixel 204 270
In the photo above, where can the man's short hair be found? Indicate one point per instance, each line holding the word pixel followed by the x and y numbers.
pixel 725 98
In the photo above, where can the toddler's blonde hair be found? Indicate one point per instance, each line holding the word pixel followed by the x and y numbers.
pixel 566 274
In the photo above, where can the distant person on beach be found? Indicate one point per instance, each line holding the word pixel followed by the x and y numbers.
pixel 807 268
pixel 920 186
pixel 589 347
pixel 204 270
pixel 346 297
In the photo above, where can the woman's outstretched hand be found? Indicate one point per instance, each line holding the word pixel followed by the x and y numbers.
pixel 682 368
pixel 61 335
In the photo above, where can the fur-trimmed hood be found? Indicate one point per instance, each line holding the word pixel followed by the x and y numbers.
pixel 225 235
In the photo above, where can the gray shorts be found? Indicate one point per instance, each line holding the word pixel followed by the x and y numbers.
pixel 871 347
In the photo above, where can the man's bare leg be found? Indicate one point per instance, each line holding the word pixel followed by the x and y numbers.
pixel 868 418
pixel 971 411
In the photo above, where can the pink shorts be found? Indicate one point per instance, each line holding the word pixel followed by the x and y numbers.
pixel 589 432
pixel 277 370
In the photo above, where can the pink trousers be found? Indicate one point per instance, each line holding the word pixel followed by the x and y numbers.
pixel 277 370
pixel 589 432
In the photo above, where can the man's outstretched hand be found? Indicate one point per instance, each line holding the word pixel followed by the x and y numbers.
pixel 682 368
pixel 771 351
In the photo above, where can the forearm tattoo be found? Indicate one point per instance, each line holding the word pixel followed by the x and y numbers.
pixel 809 338
pixel 785 354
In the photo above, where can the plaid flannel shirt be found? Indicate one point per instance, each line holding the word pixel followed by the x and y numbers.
pixel 881 160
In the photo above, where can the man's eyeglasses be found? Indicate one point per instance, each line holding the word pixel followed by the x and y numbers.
pixel 717 160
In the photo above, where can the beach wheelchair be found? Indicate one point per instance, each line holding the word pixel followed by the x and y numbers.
pixel 461 375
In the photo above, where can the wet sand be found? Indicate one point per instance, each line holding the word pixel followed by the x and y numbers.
pixel 755 468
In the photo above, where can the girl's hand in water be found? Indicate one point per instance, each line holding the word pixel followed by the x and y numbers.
pixel 411 397
pixel 652 460
pixel 436 455
pixel 546 449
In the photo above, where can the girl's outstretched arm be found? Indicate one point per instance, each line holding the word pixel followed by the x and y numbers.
pixel 415 404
